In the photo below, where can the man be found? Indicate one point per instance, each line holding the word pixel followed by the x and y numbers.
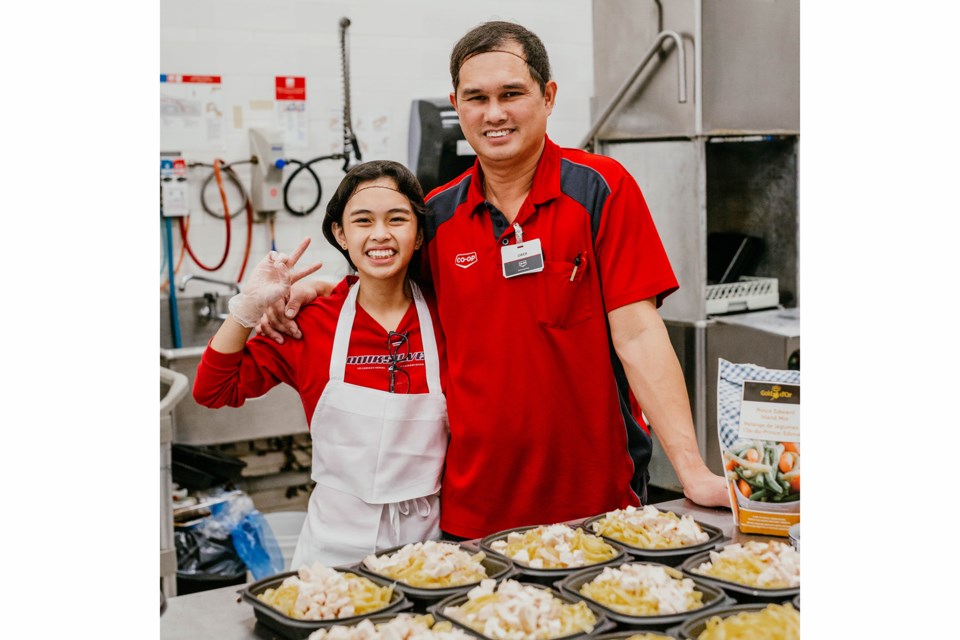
pixel 548 273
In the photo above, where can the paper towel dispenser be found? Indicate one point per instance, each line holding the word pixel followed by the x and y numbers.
pixel 437 150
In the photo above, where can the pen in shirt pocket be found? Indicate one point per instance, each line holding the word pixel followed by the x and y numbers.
pixel 576 265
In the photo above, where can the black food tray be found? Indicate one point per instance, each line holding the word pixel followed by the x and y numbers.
pixel 740 592
pixel 217 464
pixel 672 556
pixel 694 626
pixel 713 598
pixel 547 576
pixel 603 624
pixel 497 567
pixel 191 477
pixel 295 629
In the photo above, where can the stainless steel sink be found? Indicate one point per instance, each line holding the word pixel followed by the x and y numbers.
pixel 277 413
pixel 195 329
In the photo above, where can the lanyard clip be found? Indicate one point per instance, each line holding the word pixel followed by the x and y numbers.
pixel 519 232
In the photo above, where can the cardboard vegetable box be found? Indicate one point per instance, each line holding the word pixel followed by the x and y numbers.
pixel 758 416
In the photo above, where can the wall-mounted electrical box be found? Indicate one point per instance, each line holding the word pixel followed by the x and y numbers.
pixel 174 194
pixel 266 177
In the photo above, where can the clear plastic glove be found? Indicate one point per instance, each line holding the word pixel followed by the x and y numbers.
pixel 269 282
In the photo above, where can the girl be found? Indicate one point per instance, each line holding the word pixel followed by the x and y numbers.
pixel 367 370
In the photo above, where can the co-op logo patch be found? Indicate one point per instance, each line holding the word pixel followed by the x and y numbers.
pixel 464 260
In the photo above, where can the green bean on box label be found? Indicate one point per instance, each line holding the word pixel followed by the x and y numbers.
pixel 770 470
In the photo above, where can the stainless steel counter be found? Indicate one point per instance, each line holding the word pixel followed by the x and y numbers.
pixel 220 615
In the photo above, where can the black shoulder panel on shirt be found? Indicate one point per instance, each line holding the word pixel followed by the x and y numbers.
pixel 442 206
pixel 585 185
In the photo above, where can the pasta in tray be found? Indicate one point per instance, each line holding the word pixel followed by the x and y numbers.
pixel 775 622
pixel 648 636
pixel 766 565
pixel 643 590
pixel 404 627
pixel 322 593
pixel 430 564
pixel 555 546
pixel 650 528
pixel 514 611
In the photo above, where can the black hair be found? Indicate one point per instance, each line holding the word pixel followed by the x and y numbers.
pixel 406 184
pixel 491 36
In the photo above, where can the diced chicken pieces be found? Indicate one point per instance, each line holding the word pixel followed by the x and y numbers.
pixel 439 562
pixel 546 547
pixel 647 582
pixel 403 627
pixel 515 612
pixel 673 530
pixel 779 564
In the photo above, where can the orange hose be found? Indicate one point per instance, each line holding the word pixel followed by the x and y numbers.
pixel 246 252
pixel 226 217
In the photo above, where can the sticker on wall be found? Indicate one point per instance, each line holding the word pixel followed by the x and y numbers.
pixel 291 110
pixel 333 129
pixel 372 127
pixel 191 112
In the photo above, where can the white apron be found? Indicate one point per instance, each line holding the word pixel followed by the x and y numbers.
pixel 377 458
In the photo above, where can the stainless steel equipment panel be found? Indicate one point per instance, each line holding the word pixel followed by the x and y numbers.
pixel 743 59
pixel 672 178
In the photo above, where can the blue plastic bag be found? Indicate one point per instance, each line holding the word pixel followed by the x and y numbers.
pixel 251 534
pixel 257 546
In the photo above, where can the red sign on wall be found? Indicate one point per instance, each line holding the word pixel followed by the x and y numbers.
pixel 291 88
pixel 173 78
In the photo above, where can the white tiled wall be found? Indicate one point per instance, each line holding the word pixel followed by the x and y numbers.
pixel 398 50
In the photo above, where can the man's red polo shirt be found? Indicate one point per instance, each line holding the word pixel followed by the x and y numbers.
pixel 540 420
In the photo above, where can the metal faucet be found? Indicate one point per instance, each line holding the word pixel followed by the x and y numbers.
pixel 210 311
pixel 226 283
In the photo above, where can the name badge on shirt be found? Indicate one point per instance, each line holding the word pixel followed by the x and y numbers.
pixel 519 259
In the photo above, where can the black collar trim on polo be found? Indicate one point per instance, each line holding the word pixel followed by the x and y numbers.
pixel 497 219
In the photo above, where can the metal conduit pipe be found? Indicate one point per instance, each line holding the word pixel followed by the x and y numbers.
pixel 589 141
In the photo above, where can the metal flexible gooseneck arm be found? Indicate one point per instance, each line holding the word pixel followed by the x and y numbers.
pixel 350 142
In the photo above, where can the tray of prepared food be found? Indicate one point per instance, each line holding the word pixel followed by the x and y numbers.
pixel 548 553
pixel 512 610
pixel 294 604
pixel 644 594
pixel 744 622
pixel 408 626
pixel 634 634
pixel 658 536
pixel 752 570
pixel 431 571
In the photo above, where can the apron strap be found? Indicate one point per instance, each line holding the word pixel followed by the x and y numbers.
pixel 429 339
pixel 341 337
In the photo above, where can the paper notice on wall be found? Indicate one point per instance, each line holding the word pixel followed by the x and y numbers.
pixel 373 133
pixel 291 111
pixel 333 130
pixel 191 112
